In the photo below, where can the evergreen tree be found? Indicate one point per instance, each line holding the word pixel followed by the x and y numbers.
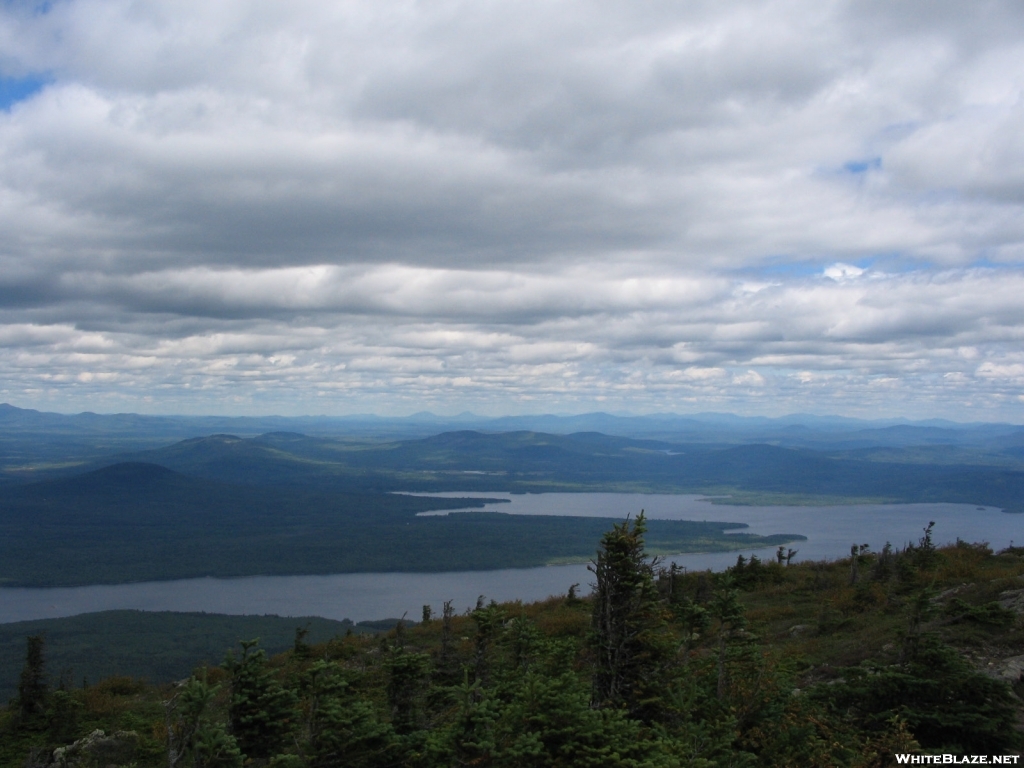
pixel 627 626
pixel 341 731
pixel 727 608
pixel 215 748
pixel 448 668
pixel 521 640
pixel 262 712
pixel 470 738
pixel 407 677
pixel 549 724
pixel 946 704
pixel 301 648
pixel 63 716
pixel 489 620
pixel 193 740
pixel 32 687
pixel 693 619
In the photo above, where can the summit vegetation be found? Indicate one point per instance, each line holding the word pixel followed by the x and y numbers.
pixel 842 663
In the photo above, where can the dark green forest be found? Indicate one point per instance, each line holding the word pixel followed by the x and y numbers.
pixel 770 663
pixel 289 503
pixel 107 499
pixel 842 663
pixel 159 646
pixel 139 522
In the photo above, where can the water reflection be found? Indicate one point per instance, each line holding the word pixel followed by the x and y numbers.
pixel 359 596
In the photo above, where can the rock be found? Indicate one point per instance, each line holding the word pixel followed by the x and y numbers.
pixel 948 593
pixel 1013 600
pixel 1008 670
pixel 97 750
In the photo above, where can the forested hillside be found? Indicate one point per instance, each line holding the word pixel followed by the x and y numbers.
pixel 158 646
pixel 781 463
pixel 815 664
pixel 141 522
pixel 590 461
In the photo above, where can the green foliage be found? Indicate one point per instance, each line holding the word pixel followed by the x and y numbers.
pixel 300 648
pixel 750 574
pixel 628 629
pixel 194 740
pixel 407 677
pixel 63 715
pixel 990 614
pixel 32 686
pixel 706 674
pixel 947 705
pixel 488 619
pixel 156 646
pixel 337 728
pixel 550 723
pixel 262 712
pixel 925 555
pixel 729 612
pixel 215 748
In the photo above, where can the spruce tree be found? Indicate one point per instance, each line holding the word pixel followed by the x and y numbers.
pixel 193 739
pixel 946 704
pixel 32 688
pixel 549 722
pixel 731 622
pixel 627 629
pixel 340 730
pixel 262 713
pixel 407 678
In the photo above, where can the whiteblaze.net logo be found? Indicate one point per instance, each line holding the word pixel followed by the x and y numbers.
pixel 905 759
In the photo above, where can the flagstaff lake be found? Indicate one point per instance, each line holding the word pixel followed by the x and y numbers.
pixel 830 531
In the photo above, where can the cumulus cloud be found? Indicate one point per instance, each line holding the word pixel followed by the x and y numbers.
pixel 513 206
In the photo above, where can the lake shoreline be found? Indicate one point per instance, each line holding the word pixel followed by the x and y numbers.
pixel 362 596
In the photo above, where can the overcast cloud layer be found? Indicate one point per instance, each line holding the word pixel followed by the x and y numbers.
pixel 312 207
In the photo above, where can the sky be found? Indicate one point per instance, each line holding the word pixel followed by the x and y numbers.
pixel 311 207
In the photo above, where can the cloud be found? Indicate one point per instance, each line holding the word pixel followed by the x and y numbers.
pixel 842 271
pixel 372 206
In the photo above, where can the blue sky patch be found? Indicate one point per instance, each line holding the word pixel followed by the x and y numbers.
pixel 797 269
pixel 15 89
pixel 984 262
pixel 863 166
pixel 35 7
pixel 785 269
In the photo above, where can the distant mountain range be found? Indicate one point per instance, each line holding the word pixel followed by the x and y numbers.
pixel 585 461
pixel 90 498
pixel 794 429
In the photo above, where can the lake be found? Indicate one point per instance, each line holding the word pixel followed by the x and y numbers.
pixel 830 531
